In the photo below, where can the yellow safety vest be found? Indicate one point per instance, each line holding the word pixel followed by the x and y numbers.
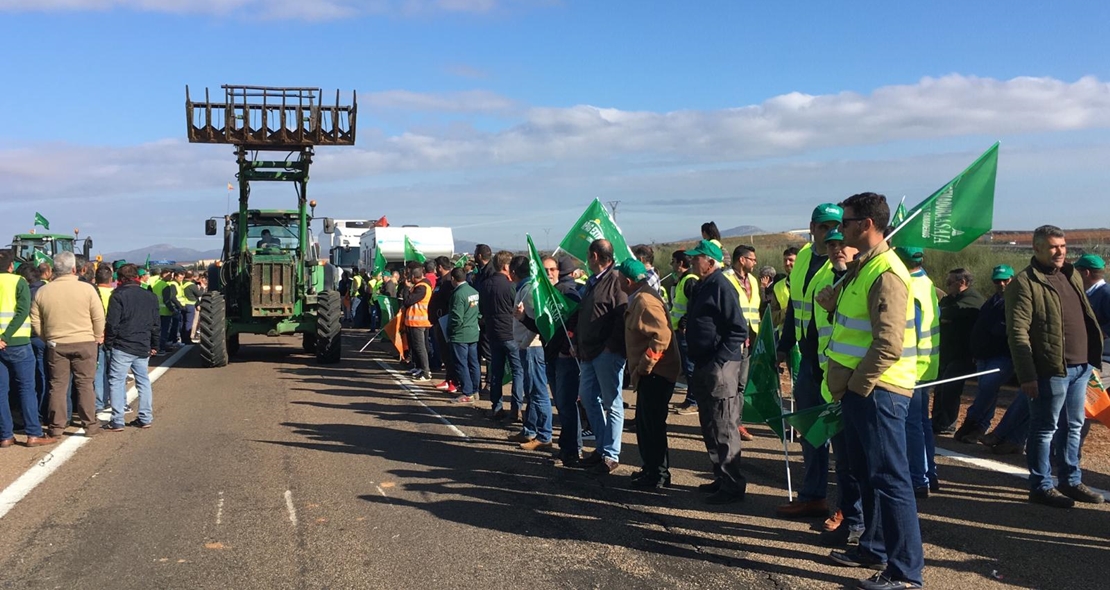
pixel 851 336
pixel 9 283
pixel 679 302
pixel 782 295
pixel 801 296
pixel 157 288
pixel 184 297
pixel 105 295
pixel 181 294
pixel 356 284
pixel 928 336
pixel 749 307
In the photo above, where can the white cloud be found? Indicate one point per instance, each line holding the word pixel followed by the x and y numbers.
pixel 277 9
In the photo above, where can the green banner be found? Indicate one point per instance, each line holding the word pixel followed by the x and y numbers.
pixel 763 378
pixel 379 260
pixel 595 224
pixel 551 308
pixel 40 220
pixel 411 253
pixel 817 425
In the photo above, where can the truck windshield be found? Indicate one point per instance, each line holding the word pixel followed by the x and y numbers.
pixel 273 233
pixel 345 257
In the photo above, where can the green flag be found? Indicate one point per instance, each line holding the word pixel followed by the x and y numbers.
pixel 899 215
pixel 550 306
pixel 595 224
pixel 379 258
pixel 817 424
pixel 41 257
pixel 388 305
pixel 411 253
pixel 763 378
pixel 462 261
pixel 956 215
pixel 146 264
pixel 40 220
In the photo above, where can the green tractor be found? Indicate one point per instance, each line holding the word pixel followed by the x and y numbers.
pixel 270 276
pixel 35 248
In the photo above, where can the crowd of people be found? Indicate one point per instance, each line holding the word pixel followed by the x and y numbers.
pixel 869 326
pixel 72 331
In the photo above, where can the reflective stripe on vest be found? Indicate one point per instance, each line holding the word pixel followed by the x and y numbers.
pixel 105 295
pixel 416 316
pixel 852 338
pixel 9 284
pixel 157 288
pixel 678 305
pixel 749 307
pixel 181 294
pixel 928 337
pixel 801 295
pixel 185 298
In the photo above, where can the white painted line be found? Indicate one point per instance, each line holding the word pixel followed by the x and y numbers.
pixel 289 507
pixel 992 465
pixel 415 394
pixel 220 509
pixel 133 392
pixel 62 451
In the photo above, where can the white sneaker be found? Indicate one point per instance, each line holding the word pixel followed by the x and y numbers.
pixel 422 378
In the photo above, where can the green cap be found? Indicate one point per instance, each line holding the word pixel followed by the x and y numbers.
pixel 909 253
pixel 633 269
pixel 1090 261
pixel 707 248
pixel 827 212
pixel 1002 272
pixel 834 235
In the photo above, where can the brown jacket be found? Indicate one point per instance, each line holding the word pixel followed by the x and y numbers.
pixel 67 311
pixel 649 342
pixel 887 301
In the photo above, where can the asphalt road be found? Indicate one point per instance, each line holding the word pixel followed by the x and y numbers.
pixel 277 473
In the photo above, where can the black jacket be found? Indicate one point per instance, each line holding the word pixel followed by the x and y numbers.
pixel 988 336
pixel 132 325
pixel 715 327
pixel 496 302
pixel 599 326
pixel 958 313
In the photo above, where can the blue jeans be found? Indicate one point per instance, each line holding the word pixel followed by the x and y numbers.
pixel 121 362
pixel 187 323
pixel 1014 425
pixel 166 336
pixel 562 375
pixel 17 364
pixel 1059 403
pixel 100 381
pixel 599 389
pixel 537 420
pixel 920 444
pixel 687 367
pixel 500 352
pixel 42 380
pixel 875 437
pixel 467 367
pixel 981 412
pixel 807 394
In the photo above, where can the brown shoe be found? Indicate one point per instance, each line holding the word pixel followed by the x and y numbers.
pixel 745 435
pixel 536 445
pixel 520 437
pixel 799 509
pixel 7 442
pixel 39 441
pixel 833 522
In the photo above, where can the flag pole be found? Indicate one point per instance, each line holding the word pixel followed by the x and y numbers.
pixel 960 378
pixel 375 335
pixel 889 236
pixel 786 453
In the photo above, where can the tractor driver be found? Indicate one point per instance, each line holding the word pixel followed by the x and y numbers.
pixel 268 240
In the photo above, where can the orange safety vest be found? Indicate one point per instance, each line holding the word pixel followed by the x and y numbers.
pixel 416 315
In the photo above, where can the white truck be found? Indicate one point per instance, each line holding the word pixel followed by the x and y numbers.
pixel 432 242
pixel 343 243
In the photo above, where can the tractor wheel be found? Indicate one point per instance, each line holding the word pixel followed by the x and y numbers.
pixel 212 330
pixel 329 326
pixel 233 345
pixel 308 342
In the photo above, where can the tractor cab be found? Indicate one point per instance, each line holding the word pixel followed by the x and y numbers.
pixel 47 246
pixel 273 230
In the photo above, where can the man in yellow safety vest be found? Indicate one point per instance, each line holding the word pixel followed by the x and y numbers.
pixel 683 290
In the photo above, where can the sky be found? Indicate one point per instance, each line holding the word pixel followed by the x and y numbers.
pixel 505 117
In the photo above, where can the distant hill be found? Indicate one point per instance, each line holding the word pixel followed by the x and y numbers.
pixel 163 252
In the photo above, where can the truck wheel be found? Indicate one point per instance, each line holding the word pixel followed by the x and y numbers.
pixel 212 330
pixel 329 326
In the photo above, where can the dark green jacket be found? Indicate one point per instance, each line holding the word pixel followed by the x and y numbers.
pixel 1035 327
pixel 462 317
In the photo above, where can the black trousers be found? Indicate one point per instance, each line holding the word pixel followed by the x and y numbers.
pixel 946 397
pixel 653 397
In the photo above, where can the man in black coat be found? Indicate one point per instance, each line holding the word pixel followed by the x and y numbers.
pixel 131 332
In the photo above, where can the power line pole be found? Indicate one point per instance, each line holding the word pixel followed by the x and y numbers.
pixel 547 238
pixel 613 206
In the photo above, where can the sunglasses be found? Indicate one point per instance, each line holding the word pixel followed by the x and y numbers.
pixel 849 219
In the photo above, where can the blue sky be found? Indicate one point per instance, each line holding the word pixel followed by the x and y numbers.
pixel 501 117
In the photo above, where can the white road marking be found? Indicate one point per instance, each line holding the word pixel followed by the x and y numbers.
pixel 290 508
pixel 220 509
pixel 415 394
pixel 62 451
pixel 998 466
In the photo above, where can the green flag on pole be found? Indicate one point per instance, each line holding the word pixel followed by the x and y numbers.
pixel 40 220
pixel 956 215
pixel 388 305
pixel 899 215
pixel 146 264
pixel 763 378
pixel 379 259
pixel 551 307
pixel 41 257
pixel 595 224
pixel 462 261
pixel 817 424
pixel 411 253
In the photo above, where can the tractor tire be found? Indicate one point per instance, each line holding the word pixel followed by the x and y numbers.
pixel 329 327
pixel 212 330
pixel 308 342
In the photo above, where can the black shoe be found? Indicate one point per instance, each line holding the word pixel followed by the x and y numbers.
pixel 1082 493
pixel 841 536
pixel 723 496
pixel 968 433
pixel 934 486
pixel 854 558
pixel 138 424
pixel 921 493
pixel 881 582
pixel 712 487
pixel 1051 497
pixel 590 460
pixel 650 482
pixel 498 415
pixel 943 430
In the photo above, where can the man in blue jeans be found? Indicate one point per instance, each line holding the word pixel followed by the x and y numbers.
pixel 462 333
pixel 992 351
pixel 1054 340
pixel 17 358
pixel 131 332
pixel 535 434
pixel 599 344
pixel 496 299
pixel 562 368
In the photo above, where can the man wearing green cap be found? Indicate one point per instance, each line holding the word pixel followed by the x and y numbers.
pixel 716 333
pixel 1092 269
pixel 988 340
pixel 811 273
pixel 653 368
